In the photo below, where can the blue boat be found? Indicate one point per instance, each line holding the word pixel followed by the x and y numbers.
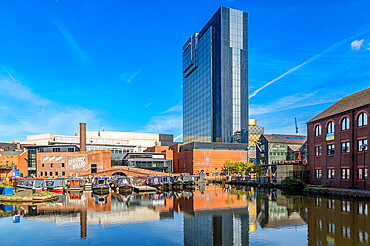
pixel 100 186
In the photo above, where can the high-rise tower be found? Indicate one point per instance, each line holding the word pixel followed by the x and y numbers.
pixel 215 80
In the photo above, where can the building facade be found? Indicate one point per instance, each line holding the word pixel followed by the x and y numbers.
pixel 10 160
pixel 215 80
pixel 337 143
pixel 64 164
pixel 116 142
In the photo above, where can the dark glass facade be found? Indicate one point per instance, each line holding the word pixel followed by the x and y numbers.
pixel 215 84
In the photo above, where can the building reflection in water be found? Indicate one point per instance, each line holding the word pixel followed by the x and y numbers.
pixel 214 215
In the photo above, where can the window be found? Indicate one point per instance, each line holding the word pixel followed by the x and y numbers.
pixel 319 224
pixel 362 209
pixel 62 164
pixel 331 228
pixel 56 173
pixel 345 173
pixel 331 173
pixel 361 144
pixel 51 165
pixel 46 173
pixel 318 130
pixel 56 149
pixel 345 147
pixel 345 123
pixel 363 237
pixel 331 203
pixel 42 165
pixel 331 127
pixel 362 173
pixel 71 149
pixel 318 202
pixel 346 232
pixel 317 150
pixel 330 149
pixel 362 119
pixel 40 173
pixel 318 173
pixel 63 173
pixel 346 206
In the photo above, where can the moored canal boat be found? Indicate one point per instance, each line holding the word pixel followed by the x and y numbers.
pixel 167 183
pixel 55 185
pixel 100 186
pixel 75 184
pixel 189 182
pixel 177 184
pixel 156 182
pixel 123 185
pixel 29 183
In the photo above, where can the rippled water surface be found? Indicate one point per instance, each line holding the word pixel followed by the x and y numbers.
pixel 209 215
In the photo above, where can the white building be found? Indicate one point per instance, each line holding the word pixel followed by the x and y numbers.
pixel 117 142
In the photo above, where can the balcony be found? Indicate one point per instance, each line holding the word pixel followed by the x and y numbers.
pixel 90 141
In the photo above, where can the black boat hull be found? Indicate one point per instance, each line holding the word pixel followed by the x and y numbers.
pixel 100 190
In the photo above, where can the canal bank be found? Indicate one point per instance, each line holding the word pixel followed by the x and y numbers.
pixel 308 190
pixel 28 197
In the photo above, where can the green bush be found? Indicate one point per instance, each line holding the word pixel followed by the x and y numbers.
pixel 293 185
pixel 326 184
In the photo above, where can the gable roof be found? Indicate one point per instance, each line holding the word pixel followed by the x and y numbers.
pixel 283 138
pixel 353 101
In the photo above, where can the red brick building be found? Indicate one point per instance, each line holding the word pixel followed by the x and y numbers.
pixel 64 164
pixel 13 159
pixel 337 143
pixel 207 157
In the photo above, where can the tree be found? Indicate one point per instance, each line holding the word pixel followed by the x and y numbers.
pixel 238 167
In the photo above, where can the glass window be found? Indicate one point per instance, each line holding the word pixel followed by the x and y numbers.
pixel 345 147
pixel 56 173
pixel 345 123
pixel 345 173
pixel 318 173
pixel 362 145
pixel 317 150
pixel 362 173
pixel 330 149
pixel 63 173
pixel 331 203
pixel 331 173
pixel 346 206
pixel 362 119
pixel 318 130
pixel 331 127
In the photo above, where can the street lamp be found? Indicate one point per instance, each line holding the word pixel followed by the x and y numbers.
pixel 363 148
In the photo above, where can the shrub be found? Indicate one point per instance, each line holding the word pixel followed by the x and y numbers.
pixel 293 185
pixel 326 184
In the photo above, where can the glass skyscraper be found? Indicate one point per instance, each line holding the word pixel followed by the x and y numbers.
pixel 215 83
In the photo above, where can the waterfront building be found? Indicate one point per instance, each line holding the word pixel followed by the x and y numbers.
pixel 205 157
pixel 10 147
pixel 337 143
pixel 10 160
pixel 215 80
pixel 116 142
pixel 151 161
pixel 64 164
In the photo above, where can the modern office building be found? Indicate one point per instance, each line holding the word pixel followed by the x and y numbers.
pixel 215 80
pixel 116 142
pixel 338 143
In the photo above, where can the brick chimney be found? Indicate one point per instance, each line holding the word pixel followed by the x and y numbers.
pixel 82 136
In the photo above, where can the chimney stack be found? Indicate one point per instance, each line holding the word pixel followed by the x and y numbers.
pixel 82 136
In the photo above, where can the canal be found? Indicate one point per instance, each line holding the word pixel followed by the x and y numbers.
pixel 210 215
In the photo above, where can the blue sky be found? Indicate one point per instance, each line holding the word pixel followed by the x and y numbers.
pixel 117 64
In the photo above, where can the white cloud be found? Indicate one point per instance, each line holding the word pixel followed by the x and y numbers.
pixel 25 112
pixel 168 121
pixel 128 77
pixel 357 44
pixel 73 42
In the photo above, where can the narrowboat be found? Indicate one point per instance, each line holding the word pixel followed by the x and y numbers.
pixel 177 184
pixel 35 184
pixel 56 185
pixel 189 182
pixel 167 183
pixel 88 184
pixel 123 185
pixel 100 199
pixel 156 182
pixel 76 184
pixel 100 186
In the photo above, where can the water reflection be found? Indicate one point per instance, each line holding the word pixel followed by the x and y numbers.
pixel 211 215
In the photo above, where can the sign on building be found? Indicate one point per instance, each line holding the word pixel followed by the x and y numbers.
pixel 77 163
pixel 52 159
pixel 15 172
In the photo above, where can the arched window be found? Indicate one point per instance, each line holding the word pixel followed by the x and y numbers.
pixel 318 130
pixel 345 123
pixel 362 119
pixel 331 127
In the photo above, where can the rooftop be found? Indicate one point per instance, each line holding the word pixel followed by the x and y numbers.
pixel 353 101
pixel 282 138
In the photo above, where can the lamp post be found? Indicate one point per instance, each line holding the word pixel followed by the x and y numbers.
pixel 363 148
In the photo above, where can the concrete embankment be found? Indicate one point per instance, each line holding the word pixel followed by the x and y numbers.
pixel 29 198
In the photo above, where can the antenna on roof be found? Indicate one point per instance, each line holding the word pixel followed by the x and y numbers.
pixel 296 126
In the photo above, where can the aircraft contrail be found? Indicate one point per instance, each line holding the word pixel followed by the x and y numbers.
pixel 308 61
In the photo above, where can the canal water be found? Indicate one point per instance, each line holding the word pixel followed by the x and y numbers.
pixel 209 215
